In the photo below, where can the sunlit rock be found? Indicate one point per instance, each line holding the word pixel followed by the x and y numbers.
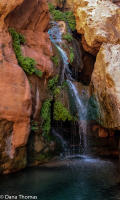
pixel 98 21
pixel 106 85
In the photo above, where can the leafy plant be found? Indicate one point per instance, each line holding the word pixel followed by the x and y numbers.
pixel 38 72
pixel 70 18
pixel 46 117
pixel 34 126
pixel 28 64
pixel 68 37
pixel 64 84
pixel 55 60
pixel 64 16
pixel 71 55
pixel 52 83
pixel 57 91
pixel 57 14
pixel 60 112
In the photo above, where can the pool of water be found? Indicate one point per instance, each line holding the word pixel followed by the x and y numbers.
pixel 80 178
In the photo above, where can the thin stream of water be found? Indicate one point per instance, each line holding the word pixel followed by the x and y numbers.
pixel 56 38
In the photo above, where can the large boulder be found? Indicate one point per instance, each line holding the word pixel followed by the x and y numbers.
pixel 98 21
pixel 106 85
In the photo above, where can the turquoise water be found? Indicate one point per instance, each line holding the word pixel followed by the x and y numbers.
pixel 73 179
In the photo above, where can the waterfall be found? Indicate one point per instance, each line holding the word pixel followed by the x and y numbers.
pixel 81 107
pixel 61 140
pixel 56 39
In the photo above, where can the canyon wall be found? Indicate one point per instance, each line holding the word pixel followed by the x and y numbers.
pixel 98 23
pixel 18 100
pixel 22 95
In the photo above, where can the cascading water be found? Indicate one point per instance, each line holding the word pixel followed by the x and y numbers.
pixel 56 38
pixel 81 107
pixel 60 138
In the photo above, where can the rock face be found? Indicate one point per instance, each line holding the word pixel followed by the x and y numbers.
pixel 106 84
pixel 33 24
pixel 15 100
pixel 62 4
pixel 35 16
pixel 98 21
pixel 6 7
pixel 39 47
pixel 18 102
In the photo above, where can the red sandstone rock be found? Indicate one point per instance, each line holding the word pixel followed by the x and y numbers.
pixel 30 15
pixel 6 7
pixel 33 23
pixel 102 132
pixel 15 100
pixel 38 46
pixel 31 18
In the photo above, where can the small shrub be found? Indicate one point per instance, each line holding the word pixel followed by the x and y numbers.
pixel 56 91
pixel 34 126
pixel 55 60
pixel 71 55
pixel 70 18
pixel 60 112
pixel 57 14
pixel 28 64
pixel 51 7
pixel 46 117
pixel 38 72
pixel 68 37
pixel 52 83
pixel 64 85
pixel 63 16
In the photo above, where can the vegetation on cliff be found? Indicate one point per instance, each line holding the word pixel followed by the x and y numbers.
pixel 46 118
pixel 60 112
pixel 55 60
pixel 52 83
pixel 53 108
pixel 71 55
pixel 64 16
pixel 27 63
pixel 68 37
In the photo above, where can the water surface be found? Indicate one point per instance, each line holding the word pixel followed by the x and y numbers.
pixel 72 179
